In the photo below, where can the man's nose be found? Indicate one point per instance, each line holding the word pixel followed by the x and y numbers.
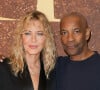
pixel 70 37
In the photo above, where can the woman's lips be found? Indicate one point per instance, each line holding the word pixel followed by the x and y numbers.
pixel 33 46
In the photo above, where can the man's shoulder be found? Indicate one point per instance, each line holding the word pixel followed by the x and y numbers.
pixel 96 58
pixel 62 58
pixel 97 55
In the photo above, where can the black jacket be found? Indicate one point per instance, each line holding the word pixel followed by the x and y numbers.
pixel 21 82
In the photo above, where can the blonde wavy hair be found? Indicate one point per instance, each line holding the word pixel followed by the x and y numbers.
pixel 49 51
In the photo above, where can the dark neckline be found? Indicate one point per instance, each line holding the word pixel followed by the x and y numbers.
pixel 85 60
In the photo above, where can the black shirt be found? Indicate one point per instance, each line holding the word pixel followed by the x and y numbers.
pixel 76 75
pixel 8 81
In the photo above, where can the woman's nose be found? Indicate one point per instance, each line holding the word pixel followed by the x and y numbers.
pixel 33 38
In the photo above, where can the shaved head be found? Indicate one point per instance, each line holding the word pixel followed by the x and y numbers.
pixel 82 19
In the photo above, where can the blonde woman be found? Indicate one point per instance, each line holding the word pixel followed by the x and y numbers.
pixel 32 57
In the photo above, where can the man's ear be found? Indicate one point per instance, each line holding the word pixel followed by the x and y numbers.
pixel 88 34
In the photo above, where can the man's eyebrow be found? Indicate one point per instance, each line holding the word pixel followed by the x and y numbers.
pixel 76 28
pixel 63 29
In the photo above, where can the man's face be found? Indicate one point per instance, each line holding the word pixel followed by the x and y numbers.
pixel 73 36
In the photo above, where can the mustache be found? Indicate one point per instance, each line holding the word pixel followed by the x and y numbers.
pixel 68 45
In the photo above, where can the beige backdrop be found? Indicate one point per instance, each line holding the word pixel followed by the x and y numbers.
pixel 54 9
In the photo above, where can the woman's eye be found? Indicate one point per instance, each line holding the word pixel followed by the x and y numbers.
pixel 27 33
pixel 40 33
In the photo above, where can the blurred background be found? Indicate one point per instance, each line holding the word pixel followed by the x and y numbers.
pixel 11 10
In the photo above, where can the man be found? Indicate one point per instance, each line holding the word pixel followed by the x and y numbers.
pixel 81 69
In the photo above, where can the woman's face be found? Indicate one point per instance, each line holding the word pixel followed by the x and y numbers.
pixel 33 37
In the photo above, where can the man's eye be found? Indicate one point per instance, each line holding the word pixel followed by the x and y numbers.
pixel 77 30
pixel 63 33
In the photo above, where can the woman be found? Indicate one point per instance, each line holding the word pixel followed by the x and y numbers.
pixel 32 57
pixel 2 57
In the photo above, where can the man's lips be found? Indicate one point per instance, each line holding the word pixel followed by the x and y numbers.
pixel 71 47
